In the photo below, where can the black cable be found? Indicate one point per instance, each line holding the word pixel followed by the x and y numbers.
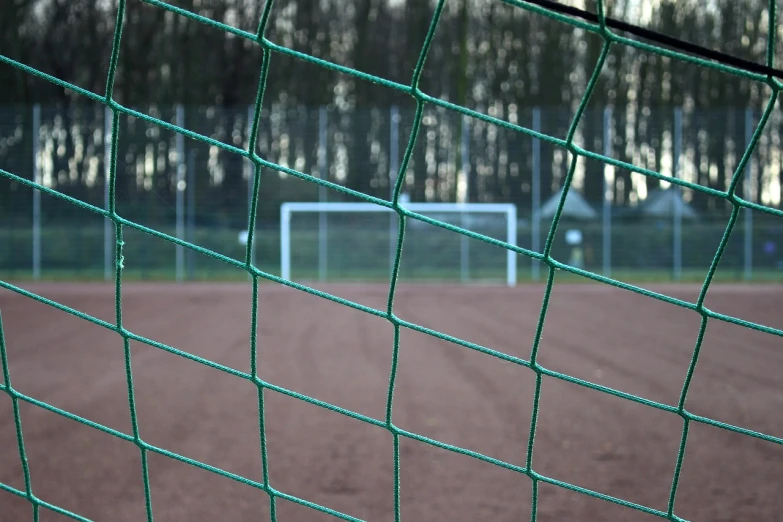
pixel 663 39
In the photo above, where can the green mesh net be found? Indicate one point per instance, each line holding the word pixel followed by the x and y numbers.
pixel 596 23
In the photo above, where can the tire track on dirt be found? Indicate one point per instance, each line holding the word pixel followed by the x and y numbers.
pixel 488 394
pixel 198 426
pixel 583 436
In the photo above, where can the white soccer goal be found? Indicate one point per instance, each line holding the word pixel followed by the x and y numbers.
pixel 357 241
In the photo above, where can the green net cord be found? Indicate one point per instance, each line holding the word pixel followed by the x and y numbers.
pixel 597 25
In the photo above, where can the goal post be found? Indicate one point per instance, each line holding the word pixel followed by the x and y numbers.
pixel 358 234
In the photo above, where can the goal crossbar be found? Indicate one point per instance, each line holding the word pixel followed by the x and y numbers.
pixel 508 210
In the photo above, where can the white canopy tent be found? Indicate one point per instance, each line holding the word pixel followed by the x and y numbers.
pixel 575 207
pixel 662 204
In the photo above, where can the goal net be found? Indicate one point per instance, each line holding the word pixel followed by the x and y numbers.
pixel 331 241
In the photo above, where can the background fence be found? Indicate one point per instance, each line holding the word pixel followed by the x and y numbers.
pixel 631 225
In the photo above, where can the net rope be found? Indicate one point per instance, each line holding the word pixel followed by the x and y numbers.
pixel 596 24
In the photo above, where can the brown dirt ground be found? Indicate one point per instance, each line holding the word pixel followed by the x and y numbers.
pixel 443 391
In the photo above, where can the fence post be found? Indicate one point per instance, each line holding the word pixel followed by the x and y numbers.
pixel 285 241
pixel 180 192
pixel 323 175
pixel 107 223
pixel 394 166
pixel 677 213
pixel 464 245
pixel 190 187
pixel 536 190
pixel 36 194
pixel 607 197
pixel 749 195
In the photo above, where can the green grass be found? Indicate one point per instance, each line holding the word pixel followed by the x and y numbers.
pixel 524 276
pixel 356 254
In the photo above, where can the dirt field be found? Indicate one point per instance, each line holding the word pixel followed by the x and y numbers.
pixel 443 391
